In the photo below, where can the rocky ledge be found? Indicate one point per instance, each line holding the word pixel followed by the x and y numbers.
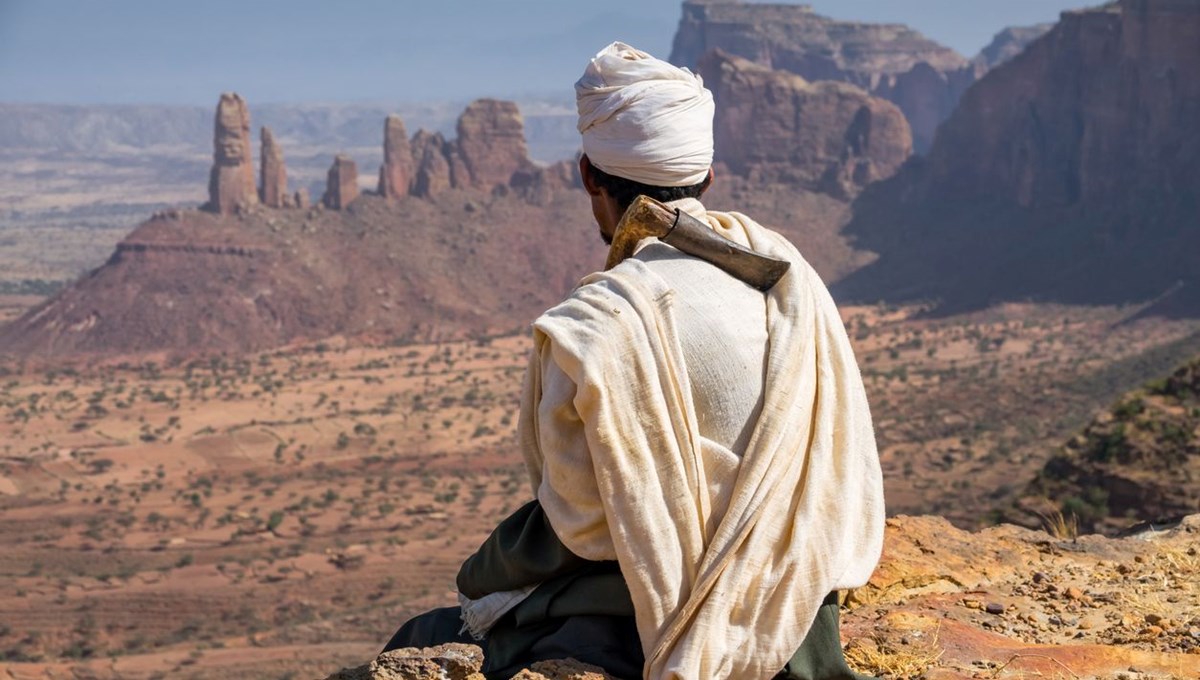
pixel 1005 602
pixel 459 662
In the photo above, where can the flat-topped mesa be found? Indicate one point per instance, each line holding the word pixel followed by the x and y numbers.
pixel 491 143
pixel 273 187
pixel 231 181
pixel 341 184
pixel 774 126
pixel 396 173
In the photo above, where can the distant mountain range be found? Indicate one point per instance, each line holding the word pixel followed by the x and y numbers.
pixel 58 128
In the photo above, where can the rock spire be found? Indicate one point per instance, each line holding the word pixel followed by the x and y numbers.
pixel 396 173
pixel 231 181
pixel 273 191
pixel 341 184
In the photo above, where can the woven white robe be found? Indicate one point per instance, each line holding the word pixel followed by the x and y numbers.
pixel 727 560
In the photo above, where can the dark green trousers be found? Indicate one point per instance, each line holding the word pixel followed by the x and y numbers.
pixel 582 610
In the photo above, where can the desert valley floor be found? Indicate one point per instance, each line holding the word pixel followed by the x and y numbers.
pixel 285 511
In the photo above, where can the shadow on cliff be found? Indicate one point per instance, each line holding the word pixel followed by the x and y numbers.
pixel 967 252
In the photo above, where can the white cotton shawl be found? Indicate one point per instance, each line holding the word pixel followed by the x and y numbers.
pixel 731 595
pixel 644 119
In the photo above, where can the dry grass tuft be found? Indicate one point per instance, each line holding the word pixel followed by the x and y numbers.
pixel 895 662
pixel 1060 526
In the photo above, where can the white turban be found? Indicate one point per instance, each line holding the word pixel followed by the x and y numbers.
pixel 644 119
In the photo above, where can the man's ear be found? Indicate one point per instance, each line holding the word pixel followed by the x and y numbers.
pixel 712 175
pixel 585 171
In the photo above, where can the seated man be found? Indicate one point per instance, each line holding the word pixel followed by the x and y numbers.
pixel 701 452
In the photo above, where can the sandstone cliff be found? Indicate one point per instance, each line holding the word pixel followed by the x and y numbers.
pixel 1069 173
pixel 774 126
pixel 891 61
pixel 231 181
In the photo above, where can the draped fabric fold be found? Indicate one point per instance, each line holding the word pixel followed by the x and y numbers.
pixel 617 462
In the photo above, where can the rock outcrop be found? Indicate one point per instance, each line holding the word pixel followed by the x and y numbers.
pixel 1077 162
pixel 396 173
pixel 489 153
pixel 273 192
pixel 433 169
pixel 774 126
pixel 1010 602
pixel 1138 461
pixel 231 181
pixel 300 199
pixel 491 143
pixel 459 662
pixel 341 185
pixel 891 61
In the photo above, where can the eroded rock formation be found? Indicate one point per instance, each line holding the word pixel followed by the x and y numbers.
pixel 231 181
pixel 341 185
pixel 491 143
pixel 273 192
pixel 892 61
pixel 489 154
pixel 774 126
pixel 396 173
pixel 433 169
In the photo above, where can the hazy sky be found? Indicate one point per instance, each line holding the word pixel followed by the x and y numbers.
pixel 188 51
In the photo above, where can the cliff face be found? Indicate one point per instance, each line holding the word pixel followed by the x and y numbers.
pixel 1071 173
pixel 774 126
pixel 1101 113
pixel 891 61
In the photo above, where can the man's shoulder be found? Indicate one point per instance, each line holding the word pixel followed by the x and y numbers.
pixel 625 293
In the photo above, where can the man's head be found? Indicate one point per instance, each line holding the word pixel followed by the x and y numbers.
pixel 647 129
